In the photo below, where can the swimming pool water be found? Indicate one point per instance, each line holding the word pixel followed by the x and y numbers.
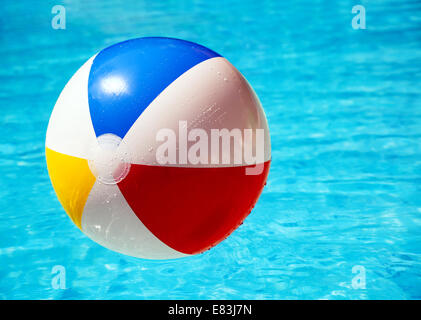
pixel 344 190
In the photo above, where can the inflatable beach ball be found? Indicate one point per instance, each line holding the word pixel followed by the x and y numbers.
pixel 158 148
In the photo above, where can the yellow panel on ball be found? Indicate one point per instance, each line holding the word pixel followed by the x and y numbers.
pixel 72 180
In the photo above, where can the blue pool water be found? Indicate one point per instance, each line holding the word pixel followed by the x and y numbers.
pixel 344 190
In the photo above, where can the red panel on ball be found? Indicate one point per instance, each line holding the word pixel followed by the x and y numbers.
pixel 192 209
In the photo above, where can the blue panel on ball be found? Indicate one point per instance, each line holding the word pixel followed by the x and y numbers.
pixel 126 77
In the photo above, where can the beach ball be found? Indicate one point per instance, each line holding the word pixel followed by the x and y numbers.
pixel 158 148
